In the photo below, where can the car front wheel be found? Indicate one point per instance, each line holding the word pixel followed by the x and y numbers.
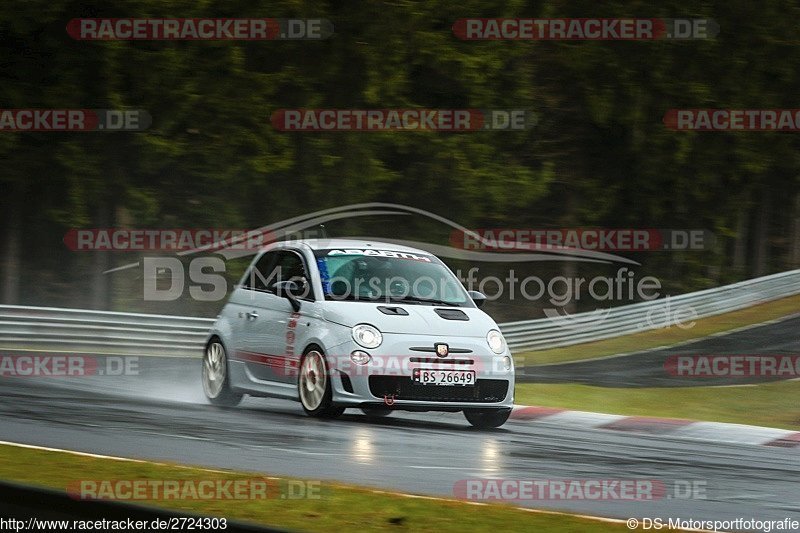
pixel 216 383
pixel 314 386
pixel 487 418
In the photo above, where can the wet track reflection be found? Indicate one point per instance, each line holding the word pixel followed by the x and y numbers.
pixel 160 415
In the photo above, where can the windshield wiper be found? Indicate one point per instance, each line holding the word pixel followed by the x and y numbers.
pixel 431 301
pixel 352 298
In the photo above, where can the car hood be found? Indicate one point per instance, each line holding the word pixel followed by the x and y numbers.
pixel 420 320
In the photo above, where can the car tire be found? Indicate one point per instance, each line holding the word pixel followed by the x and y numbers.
pixel 376 412
pixel 487 418
pixel 215 377
pixel 314 386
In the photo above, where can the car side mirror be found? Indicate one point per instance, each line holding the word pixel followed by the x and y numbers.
pixel 288 289
pixel 478 297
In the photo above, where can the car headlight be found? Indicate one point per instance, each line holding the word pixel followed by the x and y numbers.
pixel 367 336
pixel 496 341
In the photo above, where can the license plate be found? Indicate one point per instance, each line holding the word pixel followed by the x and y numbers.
pixel 443 377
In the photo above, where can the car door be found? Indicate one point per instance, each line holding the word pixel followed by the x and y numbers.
pixel 269 329
pixel 251 332
pixel 243 302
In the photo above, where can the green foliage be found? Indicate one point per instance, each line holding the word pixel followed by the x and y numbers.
pixel 600 154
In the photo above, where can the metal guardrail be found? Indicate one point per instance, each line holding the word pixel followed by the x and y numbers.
pixel 61 330
pixel 593 326
pixel 49 329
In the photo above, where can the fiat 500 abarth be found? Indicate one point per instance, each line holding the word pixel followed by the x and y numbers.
pixel 341 323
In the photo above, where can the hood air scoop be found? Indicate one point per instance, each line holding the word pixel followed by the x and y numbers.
pixel 452 314
pixel 395 311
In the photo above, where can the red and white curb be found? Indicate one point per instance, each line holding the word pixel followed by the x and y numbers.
pixel 690 429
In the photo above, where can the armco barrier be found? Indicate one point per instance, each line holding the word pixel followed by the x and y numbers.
pixel 593 326
pixel 83 331
pixel 49 329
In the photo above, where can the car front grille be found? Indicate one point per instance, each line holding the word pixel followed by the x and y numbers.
pixel 439 361
pixel 404 388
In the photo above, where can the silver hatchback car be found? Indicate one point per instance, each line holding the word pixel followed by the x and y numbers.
pixel 340 323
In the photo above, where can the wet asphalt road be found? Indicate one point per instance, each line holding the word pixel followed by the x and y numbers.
pixel 647 369
pixel 161 415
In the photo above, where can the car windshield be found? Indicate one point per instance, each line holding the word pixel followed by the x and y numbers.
pixel 390 276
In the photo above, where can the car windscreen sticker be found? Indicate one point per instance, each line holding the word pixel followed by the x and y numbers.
pixel 381 253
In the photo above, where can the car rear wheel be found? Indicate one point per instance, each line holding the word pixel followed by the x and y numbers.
pixel 314 386
pixel 487 418
pixel 216 383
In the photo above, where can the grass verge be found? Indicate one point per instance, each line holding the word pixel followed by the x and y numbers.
pixel 766 404
pixel 339 508
pixel 663 337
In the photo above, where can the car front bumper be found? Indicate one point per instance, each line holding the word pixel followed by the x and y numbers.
pixel 387 379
